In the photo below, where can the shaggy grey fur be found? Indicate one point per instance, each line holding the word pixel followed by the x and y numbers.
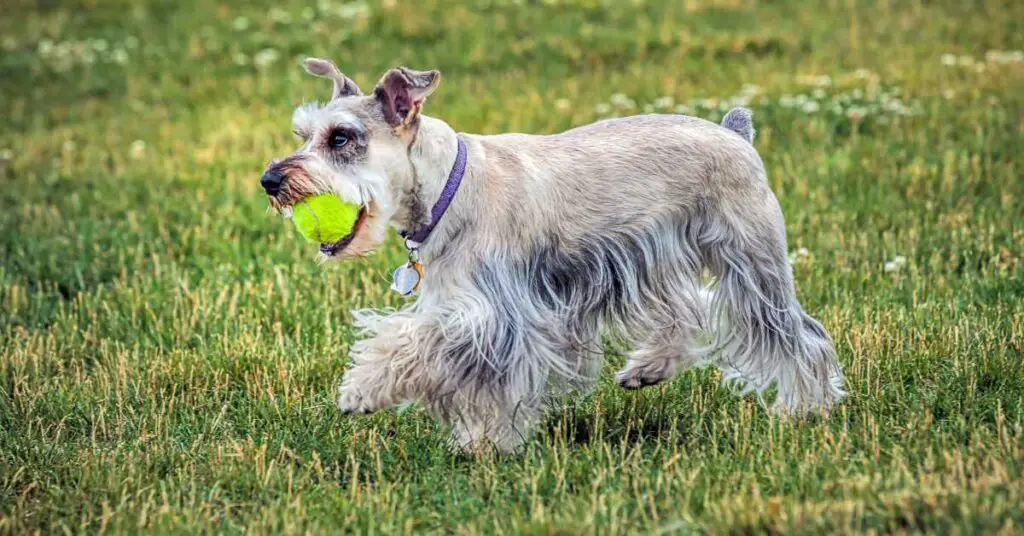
pixel 552 240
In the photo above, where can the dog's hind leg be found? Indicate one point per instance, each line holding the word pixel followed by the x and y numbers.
pixel 672 344
pixel 770 340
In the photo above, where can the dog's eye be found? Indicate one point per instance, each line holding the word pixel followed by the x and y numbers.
pixel 337 140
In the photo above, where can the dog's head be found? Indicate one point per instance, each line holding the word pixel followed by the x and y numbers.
pixel 355 146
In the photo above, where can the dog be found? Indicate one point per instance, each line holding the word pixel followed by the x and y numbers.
pixel 544 243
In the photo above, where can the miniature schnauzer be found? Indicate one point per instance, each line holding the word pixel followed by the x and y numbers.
pixel 523 249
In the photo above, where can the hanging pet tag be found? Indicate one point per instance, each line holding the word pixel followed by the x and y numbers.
pixel 406 278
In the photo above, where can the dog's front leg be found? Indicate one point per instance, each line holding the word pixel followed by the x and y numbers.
pixel 384 366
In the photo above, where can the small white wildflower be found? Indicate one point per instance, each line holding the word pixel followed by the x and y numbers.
pixel 241 23
pixel 949 60
pixel 119 56
pixel 738 100
pixel 619 99
pixel 280 16
pixel 890 267
pixel 265 57
pixel 750 89
pixel 138 149
pixel 900 260
pixel 353 10
pixel 45 48
pixel 6 154
pixel 811 107
pixel 948 94
pixel 664 102
pixel 603 108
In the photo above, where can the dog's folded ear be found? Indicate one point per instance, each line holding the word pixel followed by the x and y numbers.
pixel 343 85
pixel 402 91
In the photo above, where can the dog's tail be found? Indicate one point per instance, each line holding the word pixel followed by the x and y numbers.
pixel 740 120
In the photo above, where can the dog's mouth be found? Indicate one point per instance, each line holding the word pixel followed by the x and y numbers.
pixel 333 249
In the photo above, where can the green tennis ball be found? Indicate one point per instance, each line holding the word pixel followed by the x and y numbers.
pixel 324 218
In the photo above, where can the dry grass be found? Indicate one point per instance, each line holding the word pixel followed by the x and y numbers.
pixel 169 352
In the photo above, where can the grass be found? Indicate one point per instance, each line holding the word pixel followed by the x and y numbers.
pixel 169 352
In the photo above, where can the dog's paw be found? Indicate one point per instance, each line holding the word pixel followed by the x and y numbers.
pixel 638 377
pixel 351 402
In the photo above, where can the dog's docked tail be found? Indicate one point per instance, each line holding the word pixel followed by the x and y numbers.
pixel 740 120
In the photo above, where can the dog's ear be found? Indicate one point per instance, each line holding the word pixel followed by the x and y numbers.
pixel 402 91
pixel 343 85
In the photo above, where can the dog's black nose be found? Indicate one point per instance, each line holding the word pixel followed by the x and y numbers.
pixel 271 181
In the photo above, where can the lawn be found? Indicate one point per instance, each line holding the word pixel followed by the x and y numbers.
pixel 170 351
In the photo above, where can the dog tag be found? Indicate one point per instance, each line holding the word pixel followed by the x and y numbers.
pixel 406 278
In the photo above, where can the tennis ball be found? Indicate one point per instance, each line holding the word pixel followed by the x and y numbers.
pixel 324 218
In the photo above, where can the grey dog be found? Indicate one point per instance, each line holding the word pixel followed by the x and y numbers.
pixel 548 242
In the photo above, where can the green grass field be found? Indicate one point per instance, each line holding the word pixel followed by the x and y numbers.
pixel 159 371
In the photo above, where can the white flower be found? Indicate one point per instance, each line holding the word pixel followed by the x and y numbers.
pixel 948 60
pixel 890 267
pixel 265 57
pixel 900 260
pixel 119 56
pixel 138 149
pixel 45 47
pixel 738 100
pixel 280 16
pixel 811 107
pixel 351 11
pixel 6 154
pixel 948 94
pixel 856 113
pixel 241 23
pixel 750 90
pixel 622 101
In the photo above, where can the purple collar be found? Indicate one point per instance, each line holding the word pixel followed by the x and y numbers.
pixel 447 194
